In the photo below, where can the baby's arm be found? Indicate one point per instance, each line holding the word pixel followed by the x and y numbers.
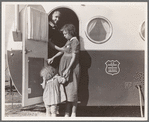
pixel 61 80
pixel 43 83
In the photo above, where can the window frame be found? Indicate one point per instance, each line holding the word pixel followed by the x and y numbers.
pixel 110 25
pixel 140 30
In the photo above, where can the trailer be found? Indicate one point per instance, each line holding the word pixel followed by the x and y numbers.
pixel 112 53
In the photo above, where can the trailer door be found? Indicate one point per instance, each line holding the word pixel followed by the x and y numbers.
pixel 35 44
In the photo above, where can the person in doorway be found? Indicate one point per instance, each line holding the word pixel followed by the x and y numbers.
pixel 53 90
pixel 69 67
pixel 55 36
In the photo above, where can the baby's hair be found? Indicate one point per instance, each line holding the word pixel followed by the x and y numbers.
pixel 70 28
pixel 48 72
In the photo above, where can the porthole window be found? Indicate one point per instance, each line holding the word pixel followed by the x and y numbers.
pixel 142 30
pixel 99 30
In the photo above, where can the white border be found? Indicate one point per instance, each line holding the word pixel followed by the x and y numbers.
pixel 3 62
pixel 146 66
pixel 62 118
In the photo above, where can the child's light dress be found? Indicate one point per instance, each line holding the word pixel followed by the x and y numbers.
pixel 54 91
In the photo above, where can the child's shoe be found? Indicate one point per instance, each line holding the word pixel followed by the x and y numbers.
pixel 48 114
pixel 53 115
pixel 66 114
pixel 73 115
pixel 57 110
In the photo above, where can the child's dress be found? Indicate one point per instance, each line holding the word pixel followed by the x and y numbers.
pixel 54 91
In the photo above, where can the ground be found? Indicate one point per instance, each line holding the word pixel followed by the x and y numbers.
pixel 13 108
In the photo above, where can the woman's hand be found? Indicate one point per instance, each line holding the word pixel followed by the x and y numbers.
pixel 66 73
pixel 50 60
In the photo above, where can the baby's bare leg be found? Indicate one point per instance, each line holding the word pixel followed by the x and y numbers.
pixel 53 110
pixel 57 110
pixel 48 109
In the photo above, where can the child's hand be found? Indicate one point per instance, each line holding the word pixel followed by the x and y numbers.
pixel 66 73
pixel 50 60
pixel 61 80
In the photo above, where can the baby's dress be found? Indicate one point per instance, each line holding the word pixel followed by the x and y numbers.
pixel 71 87
pixel 54 91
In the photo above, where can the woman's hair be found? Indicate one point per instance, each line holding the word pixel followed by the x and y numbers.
pixel 70 28
pixel 48 72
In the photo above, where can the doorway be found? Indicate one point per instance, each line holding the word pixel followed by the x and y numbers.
pixel 68 16
pixel 56 36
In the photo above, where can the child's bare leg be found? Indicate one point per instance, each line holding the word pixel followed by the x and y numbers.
pixel 74 109
pixel 53 110
pixel 48 111
pixel 57 110
pixel 68 109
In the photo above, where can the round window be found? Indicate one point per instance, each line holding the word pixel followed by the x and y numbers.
pixel 142 31
pixel 99 29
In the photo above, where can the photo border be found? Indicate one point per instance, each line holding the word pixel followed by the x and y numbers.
pixel 80 118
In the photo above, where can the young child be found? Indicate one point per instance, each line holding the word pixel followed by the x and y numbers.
pixel 69 67
pixel 53 89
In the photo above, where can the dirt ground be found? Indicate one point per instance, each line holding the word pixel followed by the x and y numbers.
pixel 13 108
pixel 17 111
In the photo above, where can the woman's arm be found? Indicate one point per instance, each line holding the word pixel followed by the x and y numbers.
pixel 67 71
pixel 72 60
pixel 75 49
pixel 50 60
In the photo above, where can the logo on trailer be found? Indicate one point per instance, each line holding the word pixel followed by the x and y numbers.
pixel 112 67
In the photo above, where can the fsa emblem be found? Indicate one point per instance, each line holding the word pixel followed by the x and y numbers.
pixel 112 67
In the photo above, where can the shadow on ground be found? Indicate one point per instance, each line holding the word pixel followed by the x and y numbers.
pixel 94 111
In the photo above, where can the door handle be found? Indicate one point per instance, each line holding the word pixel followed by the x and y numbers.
pixel 27 51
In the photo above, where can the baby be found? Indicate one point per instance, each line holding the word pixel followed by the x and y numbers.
pixel 53 89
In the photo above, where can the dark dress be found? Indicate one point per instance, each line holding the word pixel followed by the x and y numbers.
pixel 57 39
pixel 71 86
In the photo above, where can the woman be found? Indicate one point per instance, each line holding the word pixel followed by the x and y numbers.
pixel 55 36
